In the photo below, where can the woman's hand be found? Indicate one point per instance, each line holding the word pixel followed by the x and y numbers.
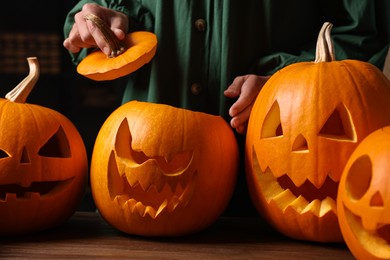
pixel 246 88
pixel 84 34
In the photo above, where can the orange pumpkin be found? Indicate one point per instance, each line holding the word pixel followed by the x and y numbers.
pixel 304 125
pixel 158 170
pixel 43 163
pixel 137 49
pixel 363 202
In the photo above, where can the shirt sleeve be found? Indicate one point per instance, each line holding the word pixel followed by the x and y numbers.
pixel 361 31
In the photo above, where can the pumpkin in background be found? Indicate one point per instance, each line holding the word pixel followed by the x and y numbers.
pixel 137 49
pixel 158 170
pixel 363 201
pixel 43 163
pixel 304 125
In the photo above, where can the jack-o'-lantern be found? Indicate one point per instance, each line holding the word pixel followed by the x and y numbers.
pixel 363 202
pixel 304 125
pixel 158 170
pixel 43 163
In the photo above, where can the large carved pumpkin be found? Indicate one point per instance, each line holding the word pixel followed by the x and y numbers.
pixel 158 170
pixel 363 201
pixel 43 163
pixel 305 123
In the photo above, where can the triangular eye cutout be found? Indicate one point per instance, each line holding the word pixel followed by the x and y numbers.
pixel 339 125
pixel 123 140
pixel 57 146
pixel 123 144
pixel 358 178
pixel 3 154
pixel 272 126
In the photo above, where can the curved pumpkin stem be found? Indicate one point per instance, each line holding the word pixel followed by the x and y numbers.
pixel 325 46
pixel 115 45
pixel 20 93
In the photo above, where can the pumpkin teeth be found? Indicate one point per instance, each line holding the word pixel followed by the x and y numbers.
pixel 25 184
pixel 327 205
pixel 10 197
pixel 284 197
pixel 299 204
pixel 173 198
pixel 34 190
pixel 313 207
pixel 161 208
pixel 148 190
pixel 173 203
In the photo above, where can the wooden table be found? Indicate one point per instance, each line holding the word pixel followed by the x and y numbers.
pixel 87 235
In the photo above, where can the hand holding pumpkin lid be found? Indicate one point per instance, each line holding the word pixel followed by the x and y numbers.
pixel 137 49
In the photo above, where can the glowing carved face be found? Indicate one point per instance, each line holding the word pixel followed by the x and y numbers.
pixel 43 168
pixel 149 185
pixel 301 133
pixel 364 198
pixel 158 170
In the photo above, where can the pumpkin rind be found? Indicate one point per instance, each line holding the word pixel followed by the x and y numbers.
pixel 304 125
pixel 43 166
pixel 363 202
pixel 140 49
pixel 158 170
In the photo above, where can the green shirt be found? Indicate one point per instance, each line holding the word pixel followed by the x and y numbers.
pixel 204 44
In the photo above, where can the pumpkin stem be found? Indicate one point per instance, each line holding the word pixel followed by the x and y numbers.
pixel 20 93
pixel 110 38
pixel 325 46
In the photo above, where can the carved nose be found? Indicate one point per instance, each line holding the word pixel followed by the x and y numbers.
pixel 24 158
pixel 300 144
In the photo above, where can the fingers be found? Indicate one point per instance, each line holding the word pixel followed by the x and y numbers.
pixel 250 86
pixel 246 88
pixel 85 34
pixel 240 121
pixel 234 89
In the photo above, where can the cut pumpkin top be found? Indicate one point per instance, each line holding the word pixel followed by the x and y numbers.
pixel 140 47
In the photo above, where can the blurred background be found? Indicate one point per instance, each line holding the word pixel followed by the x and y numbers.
pixel 35 28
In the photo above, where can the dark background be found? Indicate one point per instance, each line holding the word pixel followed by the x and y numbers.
pixel 35 28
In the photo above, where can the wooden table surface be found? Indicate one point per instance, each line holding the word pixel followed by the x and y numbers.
pixel 86 235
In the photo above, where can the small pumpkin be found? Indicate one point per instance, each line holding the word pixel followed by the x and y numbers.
pixel 158 170
pixel 43 163
pixel 363 202
pixel 304 125
pixel 137 49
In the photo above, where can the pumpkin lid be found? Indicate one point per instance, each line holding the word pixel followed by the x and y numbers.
pixel 137 49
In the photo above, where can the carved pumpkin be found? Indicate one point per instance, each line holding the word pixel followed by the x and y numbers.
pixel 137 49
pixel 363 201
pixel 304 125
pixel 157 170
pixel 43 163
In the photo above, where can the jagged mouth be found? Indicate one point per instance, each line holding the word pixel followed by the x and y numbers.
pixel 37 190
pixel 376 242
pixel 149 198
pixel 306 198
